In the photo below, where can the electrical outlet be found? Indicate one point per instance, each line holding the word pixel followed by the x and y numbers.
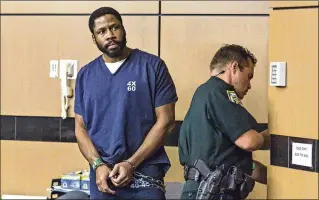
pixel 54 69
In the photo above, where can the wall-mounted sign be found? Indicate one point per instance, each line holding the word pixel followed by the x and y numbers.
pixel 301 154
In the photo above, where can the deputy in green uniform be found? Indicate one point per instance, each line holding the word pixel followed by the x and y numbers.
pixel 217 128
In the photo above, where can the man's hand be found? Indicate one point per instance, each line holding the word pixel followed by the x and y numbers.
pixel 102 174
pixel 122 173
pixel 266 135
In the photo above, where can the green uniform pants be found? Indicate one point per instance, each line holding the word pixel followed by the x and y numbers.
pixel 189 190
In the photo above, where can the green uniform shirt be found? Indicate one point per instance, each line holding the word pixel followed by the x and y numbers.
pixel 214 121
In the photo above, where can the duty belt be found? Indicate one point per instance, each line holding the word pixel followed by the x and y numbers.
pixel 219 181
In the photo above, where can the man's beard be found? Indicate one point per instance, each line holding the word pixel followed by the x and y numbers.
pixel 114 53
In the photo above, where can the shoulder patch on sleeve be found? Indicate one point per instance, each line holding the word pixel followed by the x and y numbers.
pixel 232 96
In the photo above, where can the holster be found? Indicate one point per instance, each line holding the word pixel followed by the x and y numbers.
pixel 233 181
pixel 237 182
pixel 246 186
pixel 209 180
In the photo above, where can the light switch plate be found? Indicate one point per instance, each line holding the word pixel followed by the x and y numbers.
pixel 278 74
pixel 54 69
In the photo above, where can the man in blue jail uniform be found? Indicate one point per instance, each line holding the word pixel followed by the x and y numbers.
pixel 124 108
pixel 219 131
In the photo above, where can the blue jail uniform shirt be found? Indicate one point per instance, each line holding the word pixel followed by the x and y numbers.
pixel 119 109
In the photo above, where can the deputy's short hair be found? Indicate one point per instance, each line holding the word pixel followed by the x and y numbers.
pixel 230 53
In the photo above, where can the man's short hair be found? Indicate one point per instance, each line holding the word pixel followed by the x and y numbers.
pixel 100 12
pixel 230 53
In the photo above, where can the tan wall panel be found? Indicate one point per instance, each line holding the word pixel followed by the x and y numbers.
pixel 274 4
pixel 260 190
pixel 188 54
pixel 176 172
pixel 293 111
pixel 34 164
pixel 29 43
pixel 288 183
pixel 216 7
pixel 77 6
pixel 262 156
